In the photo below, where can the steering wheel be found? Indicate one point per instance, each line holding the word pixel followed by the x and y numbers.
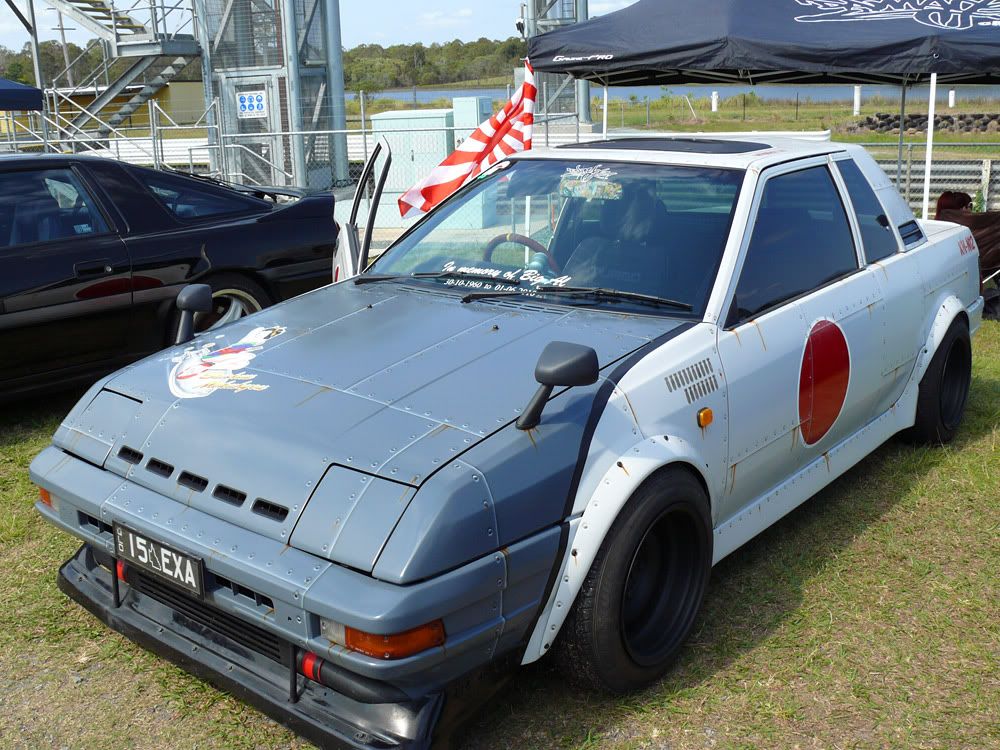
pixel 519 239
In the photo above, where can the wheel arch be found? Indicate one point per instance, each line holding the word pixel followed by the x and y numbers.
pixel 621 480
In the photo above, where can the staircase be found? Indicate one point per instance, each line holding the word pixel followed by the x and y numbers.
pixel 148 35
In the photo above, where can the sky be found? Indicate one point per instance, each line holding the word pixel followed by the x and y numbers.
pixel 382 22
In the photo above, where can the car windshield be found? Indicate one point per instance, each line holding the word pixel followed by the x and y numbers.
pixel 625 230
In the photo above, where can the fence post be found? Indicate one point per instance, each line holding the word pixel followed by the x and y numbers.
pixel 909 169
pixel 153 134
pixel 545 95
pixel 364 133
pixel 647 111
pixel 623 113
pixel 984 182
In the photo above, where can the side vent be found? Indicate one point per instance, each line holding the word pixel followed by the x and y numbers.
pixel 160 468
pixel 697 380
pixel 192 481
pixel 911 233
pixel 229 495
pixel 270 510
pixel 130 454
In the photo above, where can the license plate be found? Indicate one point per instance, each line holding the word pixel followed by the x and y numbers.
pixel 160 560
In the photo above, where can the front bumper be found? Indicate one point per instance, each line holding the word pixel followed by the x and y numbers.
pixel 319 714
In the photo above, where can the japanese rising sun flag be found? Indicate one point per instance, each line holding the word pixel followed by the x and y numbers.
pixel 507 131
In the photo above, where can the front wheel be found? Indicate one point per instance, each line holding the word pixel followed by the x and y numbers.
pixel 641 596
pixel 233 297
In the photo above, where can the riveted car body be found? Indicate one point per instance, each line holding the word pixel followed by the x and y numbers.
pixel 368 433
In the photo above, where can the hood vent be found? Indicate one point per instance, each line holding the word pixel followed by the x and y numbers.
pixel 160 468
pixel 192 481
pixel 697 380
pixel 270 510
pixel 130 454
pixel 229 495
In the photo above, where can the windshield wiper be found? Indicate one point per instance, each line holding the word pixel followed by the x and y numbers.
pixel 614 295
pixel 370 278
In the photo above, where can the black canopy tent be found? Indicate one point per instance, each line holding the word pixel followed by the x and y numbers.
pixel 16 97
pixel 901 42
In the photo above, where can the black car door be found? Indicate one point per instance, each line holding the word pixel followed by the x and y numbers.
pixel 65 278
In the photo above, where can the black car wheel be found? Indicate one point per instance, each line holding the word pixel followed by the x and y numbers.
pixel 944 388
pixel 641 596
pixel 233 297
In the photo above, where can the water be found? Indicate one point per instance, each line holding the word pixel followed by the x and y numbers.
pixel 825 93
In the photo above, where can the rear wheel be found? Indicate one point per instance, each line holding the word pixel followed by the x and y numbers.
pixel 233 297
pixel 944 388
pixel 641 596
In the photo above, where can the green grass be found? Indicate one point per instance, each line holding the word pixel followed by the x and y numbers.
pixel 869 617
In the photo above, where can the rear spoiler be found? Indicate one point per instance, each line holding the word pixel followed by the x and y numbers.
pixel 310 206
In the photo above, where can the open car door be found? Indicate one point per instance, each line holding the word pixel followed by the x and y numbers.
pixel 351 257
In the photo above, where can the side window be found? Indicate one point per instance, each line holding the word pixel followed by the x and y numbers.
pixel 801 240
pixel 876 234
pixel 45 205
pixel 186 198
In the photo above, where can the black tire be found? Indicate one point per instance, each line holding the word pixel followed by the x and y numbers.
pixel 227 287
pixel 944 388
pixel 641 596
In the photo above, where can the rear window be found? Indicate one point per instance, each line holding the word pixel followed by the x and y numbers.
pixel 186 198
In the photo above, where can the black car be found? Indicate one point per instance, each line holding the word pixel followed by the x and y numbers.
pixel 93 253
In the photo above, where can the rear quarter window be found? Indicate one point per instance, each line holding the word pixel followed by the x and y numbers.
pixel 188 199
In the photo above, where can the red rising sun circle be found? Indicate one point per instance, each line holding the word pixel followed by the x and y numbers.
pixel 826 371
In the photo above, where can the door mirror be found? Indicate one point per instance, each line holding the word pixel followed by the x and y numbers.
pixel 560 363
pixel 192 298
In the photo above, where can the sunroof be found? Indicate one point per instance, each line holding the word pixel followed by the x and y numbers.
pixel 684 145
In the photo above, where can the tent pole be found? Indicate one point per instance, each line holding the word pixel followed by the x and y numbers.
pixel 902 118
pixel 930 144
pixel 604 121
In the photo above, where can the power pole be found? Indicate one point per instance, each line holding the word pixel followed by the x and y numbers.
pixel 61 28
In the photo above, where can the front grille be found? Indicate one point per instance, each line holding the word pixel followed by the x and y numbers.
pixel 240 632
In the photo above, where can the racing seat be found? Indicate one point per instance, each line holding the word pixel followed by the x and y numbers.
pixel 629 254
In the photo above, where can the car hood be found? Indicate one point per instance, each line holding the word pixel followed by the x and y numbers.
pixel 387 380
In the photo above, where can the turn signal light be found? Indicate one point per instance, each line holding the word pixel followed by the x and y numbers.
pixel 705 417
pixel 45 496
pixel 398 645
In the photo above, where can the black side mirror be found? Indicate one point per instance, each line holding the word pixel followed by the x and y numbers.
pixel 560 363
pixel 192 298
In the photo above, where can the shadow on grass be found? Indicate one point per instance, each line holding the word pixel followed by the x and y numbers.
pixel 751 593
pixel 25 415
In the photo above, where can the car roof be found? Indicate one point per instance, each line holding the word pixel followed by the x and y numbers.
pixel 757 150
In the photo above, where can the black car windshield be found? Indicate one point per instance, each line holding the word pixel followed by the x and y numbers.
pixel 643 229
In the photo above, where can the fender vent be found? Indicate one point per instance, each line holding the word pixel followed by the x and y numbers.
pixel 697 380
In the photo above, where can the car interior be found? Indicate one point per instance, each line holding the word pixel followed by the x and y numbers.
pixel 43 206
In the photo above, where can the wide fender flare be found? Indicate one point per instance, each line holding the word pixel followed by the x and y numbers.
pixel 948 308
pixel 588 531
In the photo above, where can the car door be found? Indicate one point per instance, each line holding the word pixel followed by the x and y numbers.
pixel 65 278
pixel 799 348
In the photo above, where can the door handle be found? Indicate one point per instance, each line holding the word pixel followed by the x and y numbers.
pixel 92 268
